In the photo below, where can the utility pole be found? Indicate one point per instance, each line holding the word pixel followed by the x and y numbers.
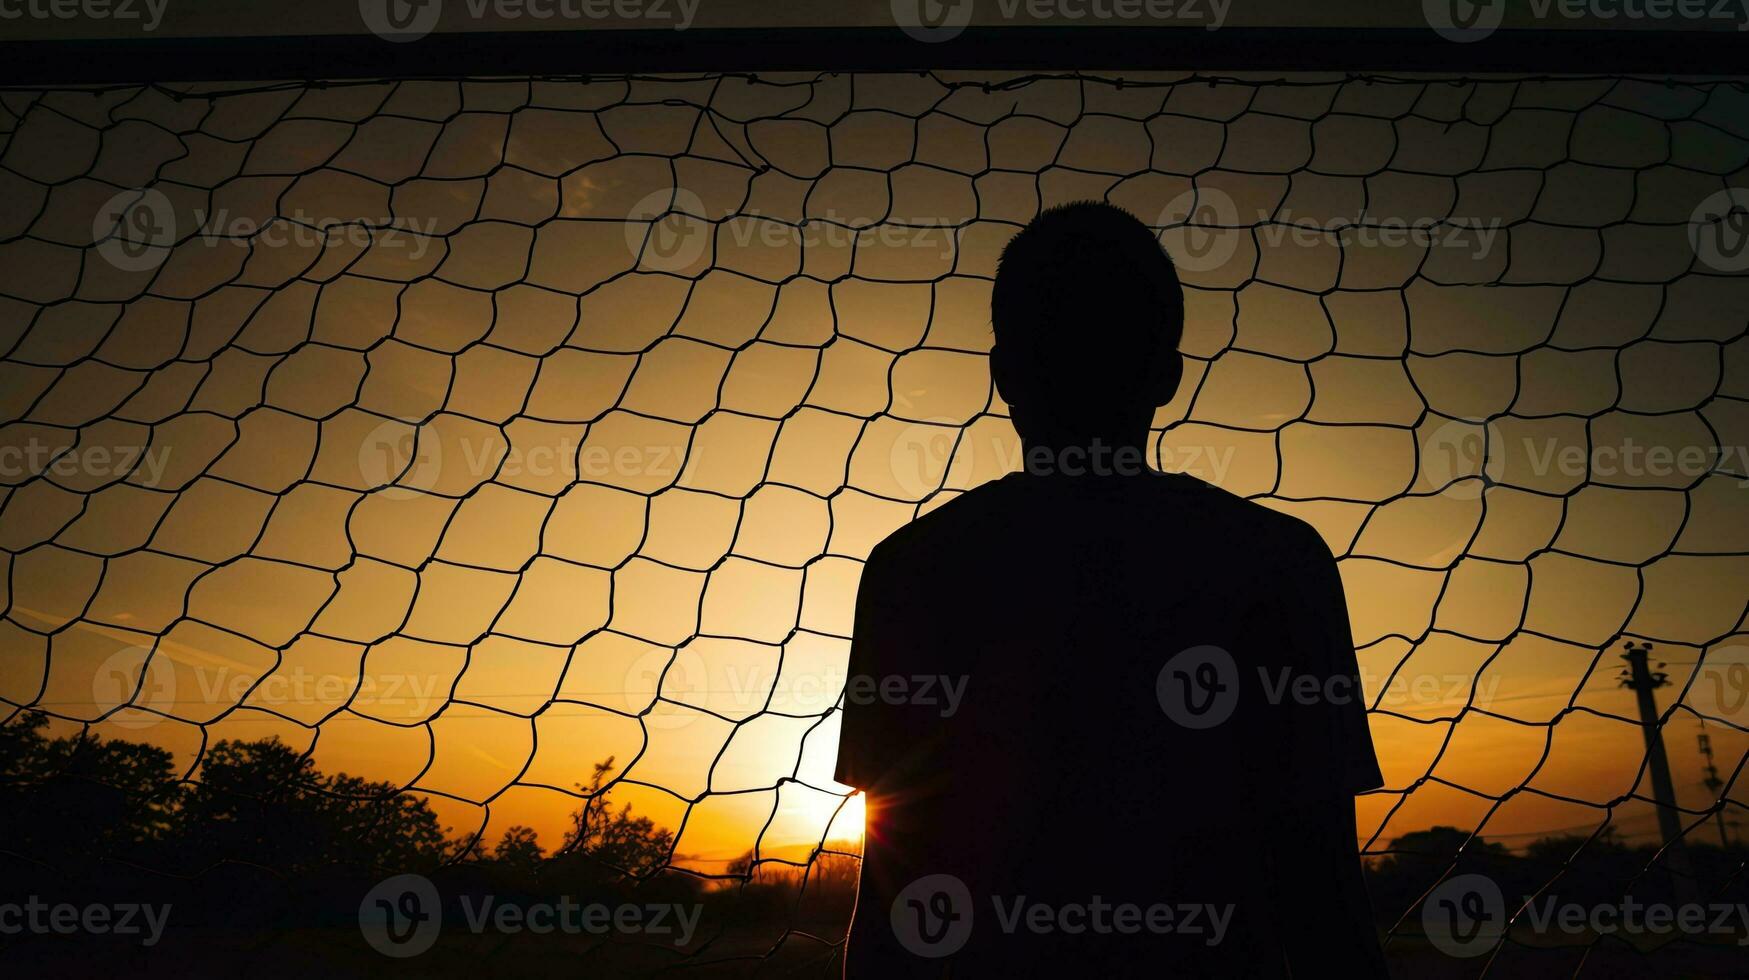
pixel 1643 680
pixel 1713 784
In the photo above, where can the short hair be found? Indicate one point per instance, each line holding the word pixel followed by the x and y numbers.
pixel 1085 301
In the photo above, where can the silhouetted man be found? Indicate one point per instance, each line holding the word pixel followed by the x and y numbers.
pixel 1150 762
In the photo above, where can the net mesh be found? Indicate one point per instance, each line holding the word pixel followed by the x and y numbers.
pixel 464 434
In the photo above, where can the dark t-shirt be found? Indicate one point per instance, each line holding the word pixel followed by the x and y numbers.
pixel 1158 706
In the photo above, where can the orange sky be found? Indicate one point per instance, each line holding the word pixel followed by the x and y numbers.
pixel 693 450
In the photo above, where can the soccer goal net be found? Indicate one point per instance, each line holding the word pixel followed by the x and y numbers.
pixel 465 435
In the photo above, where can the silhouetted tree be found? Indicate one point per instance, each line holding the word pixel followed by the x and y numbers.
pixel 615 838
pixel 821 889
pixel 1561 849
pixel 262 802
pixel 1419 859
pixel 519 850
pixel 82 797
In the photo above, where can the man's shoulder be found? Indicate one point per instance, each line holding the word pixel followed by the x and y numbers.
pixel 963 516
pixel 1195 510
pixel 1257 524
pixel 1179 506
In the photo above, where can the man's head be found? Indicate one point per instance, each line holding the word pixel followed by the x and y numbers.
pixel 1088 314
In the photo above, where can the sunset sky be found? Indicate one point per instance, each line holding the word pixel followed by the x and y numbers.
pixel 452 503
